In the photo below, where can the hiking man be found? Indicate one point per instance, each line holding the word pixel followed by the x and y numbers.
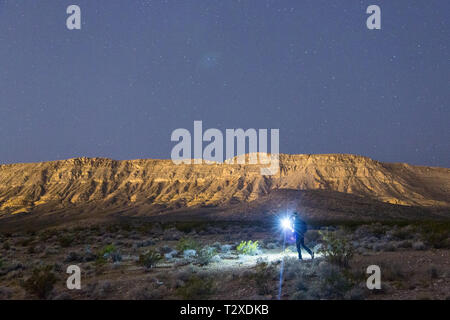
pixel 300 229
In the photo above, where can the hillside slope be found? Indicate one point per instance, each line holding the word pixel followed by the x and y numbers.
pixel 104 184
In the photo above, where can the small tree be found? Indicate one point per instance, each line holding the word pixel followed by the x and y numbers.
pixel 41 282
pixel 336 248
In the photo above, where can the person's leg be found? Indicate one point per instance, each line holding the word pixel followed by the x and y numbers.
pixel 302 242
pixel 299 248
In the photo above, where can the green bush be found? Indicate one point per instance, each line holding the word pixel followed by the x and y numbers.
pixel 187 244
pixel 149 259
pixel 336 248
pixel 248 247
pixel 41 282
pixel 197 288
pixel 107 250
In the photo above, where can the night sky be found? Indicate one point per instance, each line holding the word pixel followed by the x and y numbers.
pixel 137 70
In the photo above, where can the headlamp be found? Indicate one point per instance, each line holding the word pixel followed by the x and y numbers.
pixel 286 223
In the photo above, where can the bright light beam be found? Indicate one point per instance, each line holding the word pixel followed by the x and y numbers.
pixel 286 224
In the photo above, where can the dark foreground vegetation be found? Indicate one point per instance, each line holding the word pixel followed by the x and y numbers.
pixel 137 259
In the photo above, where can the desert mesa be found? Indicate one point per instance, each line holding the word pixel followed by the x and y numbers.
pixel 146 184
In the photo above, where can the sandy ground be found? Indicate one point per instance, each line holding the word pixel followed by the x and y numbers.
pixel 406 273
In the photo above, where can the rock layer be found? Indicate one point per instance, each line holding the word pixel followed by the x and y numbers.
pixel 106 183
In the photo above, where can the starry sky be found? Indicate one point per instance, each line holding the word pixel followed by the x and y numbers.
pixel 137 70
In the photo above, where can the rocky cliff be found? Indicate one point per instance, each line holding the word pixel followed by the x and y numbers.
pixel 104 183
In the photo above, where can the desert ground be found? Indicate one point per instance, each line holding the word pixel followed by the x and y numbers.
pixel 206 260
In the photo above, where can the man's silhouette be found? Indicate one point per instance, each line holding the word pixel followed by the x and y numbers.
pixel 300 229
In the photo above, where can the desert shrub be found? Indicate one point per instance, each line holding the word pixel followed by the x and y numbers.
pixel 403 233
pixel 356 293
pixel 271 245
pixel 99 265
pixel 438 240
pixel 165 249
pixel 110 252
pixel 99 290
pixel 334 282
pixel 112 228
pixel 216 245
pixel 312 236
pixel 300 295
pixel 293 269
pixel 433 272
pixel 25 242
pixel 149 259
pixel 107 250
pixel 5 293
pixel 205 255
pixel 301 285
pixel 391 271
pixel 66 241
pixel 148 293
pixel 419 245
pixel 326 281
pixel 307 284
pixel 41 282
pixel 377 229
pixel 47 234
pixel 31 250
pixel 187 244
pixel 336 248
pixel 226 248
pixel 196 288
pixel 184 275
pixel 264 276
pixel 115 256
pixel 188 226
pixel 248 247
pixel 405 244
pixel 31 233
pixel 436 234
pixel 389 246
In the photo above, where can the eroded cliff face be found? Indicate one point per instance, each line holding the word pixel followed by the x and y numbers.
pixel 109 183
